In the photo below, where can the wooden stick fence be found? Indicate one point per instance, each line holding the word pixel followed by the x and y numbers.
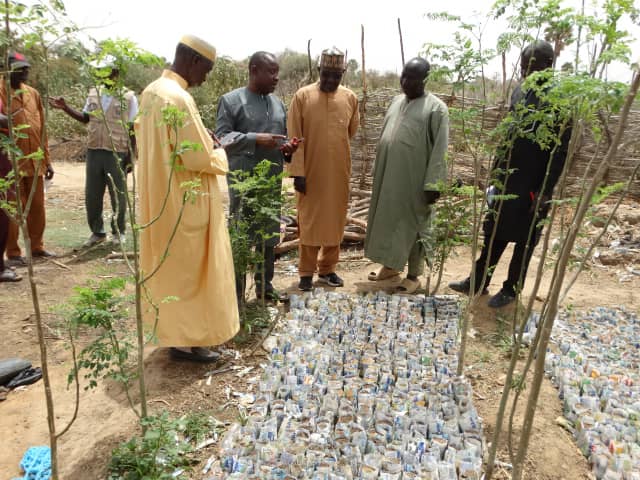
pixel 375 104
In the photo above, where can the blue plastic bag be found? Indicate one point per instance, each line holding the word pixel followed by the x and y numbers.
pixel 36 464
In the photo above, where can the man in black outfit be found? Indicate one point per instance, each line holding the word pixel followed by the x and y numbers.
pixel 519 171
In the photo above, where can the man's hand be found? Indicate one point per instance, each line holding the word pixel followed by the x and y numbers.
pixel 126 164
pixel 300 184
pixel 290 147
pixel 430 196
pixel 216 141
pixel 58 102
pixel 48 175
pixel 544 202
pixel 269 140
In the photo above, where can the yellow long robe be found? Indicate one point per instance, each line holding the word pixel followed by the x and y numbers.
pixel 199 267
pixel 327 121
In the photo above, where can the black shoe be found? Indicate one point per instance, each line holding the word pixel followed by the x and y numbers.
pixel 43 254
pixel 501 299
pixel 464 286
pixel 195 354
pixel 306 284
pixel 95 239
pixel 270 294
pixel 331 279
pixel 18 261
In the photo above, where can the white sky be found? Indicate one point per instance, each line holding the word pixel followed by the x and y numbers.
pixel 238 28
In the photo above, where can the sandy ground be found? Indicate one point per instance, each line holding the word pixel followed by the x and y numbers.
pixel 104 418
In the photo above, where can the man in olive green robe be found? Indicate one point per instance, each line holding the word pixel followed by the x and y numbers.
pixel 410 164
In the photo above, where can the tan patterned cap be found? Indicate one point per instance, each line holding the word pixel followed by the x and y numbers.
pixel 203 48
pixel 332 59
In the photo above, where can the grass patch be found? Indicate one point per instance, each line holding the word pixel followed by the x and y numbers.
pixel 67 227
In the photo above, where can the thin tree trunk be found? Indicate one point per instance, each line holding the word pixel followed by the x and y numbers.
pixel 474 248
pixel 53 439
pixel 550 314
pixel 578 40
pixel 263 273
pixel 596 241
pixel 517 335
pixel 309 58
pixel 364 69
pixel 363 118
pixel 139 326
pixel 515 353
pixel 401 42
pixel 346 61
pixel 504 78
pixel 557 48
pixel 514 356
pixel 21 216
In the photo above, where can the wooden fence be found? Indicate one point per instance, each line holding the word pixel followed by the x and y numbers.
pixel 484 120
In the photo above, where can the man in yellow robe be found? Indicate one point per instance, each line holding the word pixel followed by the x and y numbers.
pixel 326 115
pixel 194 286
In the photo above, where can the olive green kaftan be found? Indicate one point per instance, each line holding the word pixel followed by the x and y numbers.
pixel 410 159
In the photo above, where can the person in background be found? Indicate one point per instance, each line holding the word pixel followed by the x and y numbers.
pixel 109 118
pixel 6 193
pixel 520 171
pixel 325 114
pixel 196 272
pixel 27 109
pixel 409 169
pixel 252 124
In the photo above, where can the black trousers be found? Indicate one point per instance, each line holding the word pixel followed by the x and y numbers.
pixel 517 269
pixel 101 167
pixel 4 233
pixel 269 269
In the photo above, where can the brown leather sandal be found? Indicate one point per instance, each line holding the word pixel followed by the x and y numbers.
pixel 408 286
pixel 383 274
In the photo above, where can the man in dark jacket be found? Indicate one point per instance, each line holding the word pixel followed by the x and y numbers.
pixel 527 173
pixel 252 125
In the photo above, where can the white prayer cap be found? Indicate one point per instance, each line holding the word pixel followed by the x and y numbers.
pixel 108 61
pixel 203 48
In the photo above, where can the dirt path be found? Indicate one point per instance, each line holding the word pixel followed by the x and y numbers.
pixel 104 418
